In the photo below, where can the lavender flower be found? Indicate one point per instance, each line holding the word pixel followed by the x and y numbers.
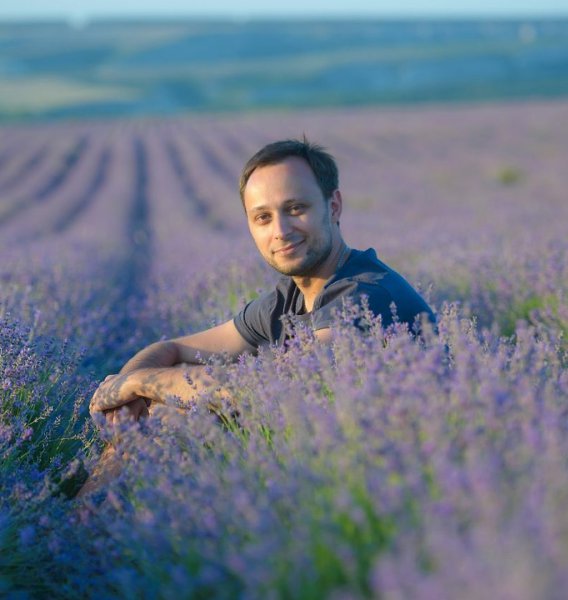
pixel 382 466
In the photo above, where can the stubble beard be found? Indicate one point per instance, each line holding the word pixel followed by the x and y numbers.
pixel 314 258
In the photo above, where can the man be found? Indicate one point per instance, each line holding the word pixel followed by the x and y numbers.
pixel 290 194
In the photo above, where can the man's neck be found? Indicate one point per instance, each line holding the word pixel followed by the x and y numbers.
pixel 312 285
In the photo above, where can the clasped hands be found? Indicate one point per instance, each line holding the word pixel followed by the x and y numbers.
pixel 117 400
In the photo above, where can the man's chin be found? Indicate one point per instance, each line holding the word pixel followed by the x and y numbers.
pixel 300 267
pixel 292 269
pixel 289 270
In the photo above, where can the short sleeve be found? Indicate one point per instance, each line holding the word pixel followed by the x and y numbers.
pixel 253 322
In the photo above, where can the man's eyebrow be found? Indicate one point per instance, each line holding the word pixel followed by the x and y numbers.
pixel 259 208
pixel 287 202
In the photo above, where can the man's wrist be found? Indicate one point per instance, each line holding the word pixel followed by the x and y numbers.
pixel 140 383
pixel 130 388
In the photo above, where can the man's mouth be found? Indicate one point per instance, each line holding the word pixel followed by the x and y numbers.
pixel 288 249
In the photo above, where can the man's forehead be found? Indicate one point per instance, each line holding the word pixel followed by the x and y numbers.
pixel 292 171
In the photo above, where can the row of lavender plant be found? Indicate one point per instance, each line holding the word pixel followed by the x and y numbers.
pixel 384 468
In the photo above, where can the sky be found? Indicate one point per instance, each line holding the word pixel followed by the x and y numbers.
pixel 83 10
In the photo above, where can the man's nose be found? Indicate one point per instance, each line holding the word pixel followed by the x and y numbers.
pixel 281 227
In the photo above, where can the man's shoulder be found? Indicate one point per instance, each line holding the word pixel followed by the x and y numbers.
pixel 363 266
pixel 365 275
pixel 362 273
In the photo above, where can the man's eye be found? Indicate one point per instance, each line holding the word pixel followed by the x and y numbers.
pixel 296 209
pixel 262 219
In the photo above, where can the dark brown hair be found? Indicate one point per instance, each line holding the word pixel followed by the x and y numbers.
pixel 321 163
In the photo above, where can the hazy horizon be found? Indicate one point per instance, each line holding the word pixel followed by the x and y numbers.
pixel 89 10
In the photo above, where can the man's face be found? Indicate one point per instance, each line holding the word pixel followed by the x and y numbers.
pixel 293 226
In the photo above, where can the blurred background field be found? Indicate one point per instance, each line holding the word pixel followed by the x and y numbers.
pixel 136 68
pixel 382 469
pixel 456 197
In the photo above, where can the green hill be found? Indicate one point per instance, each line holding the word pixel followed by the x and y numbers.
pixel 160 68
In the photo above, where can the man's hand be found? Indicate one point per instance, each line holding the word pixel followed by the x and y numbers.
pixel 167 369
pixel 137 409
pixel 170 385
pixel 113 392
pixel 116 400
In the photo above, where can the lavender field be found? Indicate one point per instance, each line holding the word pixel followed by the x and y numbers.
pixel 388 468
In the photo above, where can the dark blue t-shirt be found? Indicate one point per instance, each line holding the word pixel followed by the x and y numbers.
pixel 363 274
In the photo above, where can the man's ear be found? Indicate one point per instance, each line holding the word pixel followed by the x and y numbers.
pixel 335 206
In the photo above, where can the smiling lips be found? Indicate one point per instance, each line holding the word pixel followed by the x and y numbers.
pixel 289 249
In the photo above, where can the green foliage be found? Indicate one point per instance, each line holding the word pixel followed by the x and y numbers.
pixel 509 176
pixel 527 310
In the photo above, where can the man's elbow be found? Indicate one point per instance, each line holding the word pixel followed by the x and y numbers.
pixel 324 335
pixel 161 354
pixel 169 354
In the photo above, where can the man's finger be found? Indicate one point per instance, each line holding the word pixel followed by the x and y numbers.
pixel 133 410
pixel 101 404
pixel 109 415
pixel 114 417
pixel 105 399
pixel 122 414
pixel 139 408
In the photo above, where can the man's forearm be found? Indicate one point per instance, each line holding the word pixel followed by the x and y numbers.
pixel 152 373
pixel 157 355
pixel 160 384
pixel 164 354
pixel 184 382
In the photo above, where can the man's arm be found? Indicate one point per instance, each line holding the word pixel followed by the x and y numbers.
pixel 160 370
pixel 183 380
pixel 191 349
